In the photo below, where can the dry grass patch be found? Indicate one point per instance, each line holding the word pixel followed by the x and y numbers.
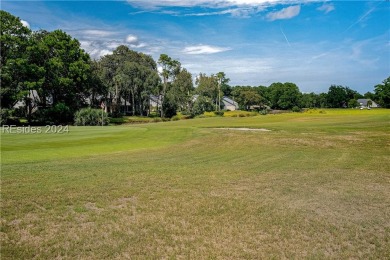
pixel 299 191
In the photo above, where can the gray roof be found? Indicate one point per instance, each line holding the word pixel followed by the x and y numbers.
pixel 229 101
pixel 363 102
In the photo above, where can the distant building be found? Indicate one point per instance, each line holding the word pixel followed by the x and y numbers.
pixel 229 104
pixel 155 101
pixel 34 102
pixel 365 103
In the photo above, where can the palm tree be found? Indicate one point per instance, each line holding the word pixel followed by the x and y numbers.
pixel 369 103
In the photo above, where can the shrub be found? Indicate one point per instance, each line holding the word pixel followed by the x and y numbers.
pixel 315 111
pixel 117 121
pixel 296 109
pixel 352 103
pixel 115 114
pixel 59 114
pixel 263 112
pixel 219 113
pixel 201 105
pixel 169 108
pixel 8 117
pixel 91 117
pixel 175 118
pixel 5 115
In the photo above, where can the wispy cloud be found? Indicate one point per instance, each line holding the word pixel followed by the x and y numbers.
pixel 285 13
pixel 210 3
pixel 98 33
pixel 241 12
pixel 235 12
pixel 364 16
pixel 288 42
pixel 326 8
pixel 235 8
pixel 204 49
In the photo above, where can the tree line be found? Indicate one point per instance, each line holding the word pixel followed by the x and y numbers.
pixel 52 77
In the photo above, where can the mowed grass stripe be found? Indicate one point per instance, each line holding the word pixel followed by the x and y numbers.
pixel 86 142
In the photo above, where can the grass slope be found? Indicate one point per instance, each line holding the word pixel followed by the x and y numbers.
pixel 316 186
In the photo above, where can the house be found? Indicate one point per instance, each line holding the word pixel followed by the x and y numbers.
pixel 365 103
pixel 155 101
pixel 34 102
pixel 230 104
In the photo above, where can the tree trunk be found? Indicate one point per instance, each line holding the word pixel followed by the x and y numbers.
pixel 163 97
pixel 133 102
pixel 140 106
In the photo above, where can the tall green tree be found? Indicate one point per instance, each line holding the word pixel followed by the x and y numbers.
pixel 322 100
pixel 181 90
pixel 222 85
pixel 284 95
pixel 337 97
pixel 170 68
pixel 208 86
pixel 14 64
pixel 136 81
pixel 247 96
pixel 66 68
pixel 382 93
pixel 95 85
pixel 369 95
pixel 131 76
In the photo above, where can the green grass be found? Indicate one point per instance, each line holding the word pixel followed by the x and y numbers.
pixel 316 186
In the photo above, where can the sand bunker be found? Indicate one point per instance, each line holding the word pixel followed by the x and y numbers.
pixel 245 129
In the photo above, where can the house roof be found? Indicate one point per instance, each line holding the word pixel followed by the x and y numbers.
pixel 363 101
pixel 230 101
pixel 34 97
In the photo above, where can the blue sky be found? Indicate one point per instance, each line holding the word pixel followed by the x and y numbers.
pixel 255 42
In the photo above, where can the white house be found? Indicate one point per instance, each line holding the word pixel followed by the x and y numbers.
pixel 155 101
pixel 364 103
pixel 229 104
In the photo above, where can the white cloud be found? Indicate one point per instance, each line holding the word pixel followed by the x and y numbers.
pixel 131 39
pixel 285 13
pixel 25 23
pixel 203 49
pixel 326 8
pixel 100 42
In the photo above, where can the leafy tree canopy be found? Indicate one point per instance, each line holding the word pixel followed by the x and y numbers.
pixel 382 93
